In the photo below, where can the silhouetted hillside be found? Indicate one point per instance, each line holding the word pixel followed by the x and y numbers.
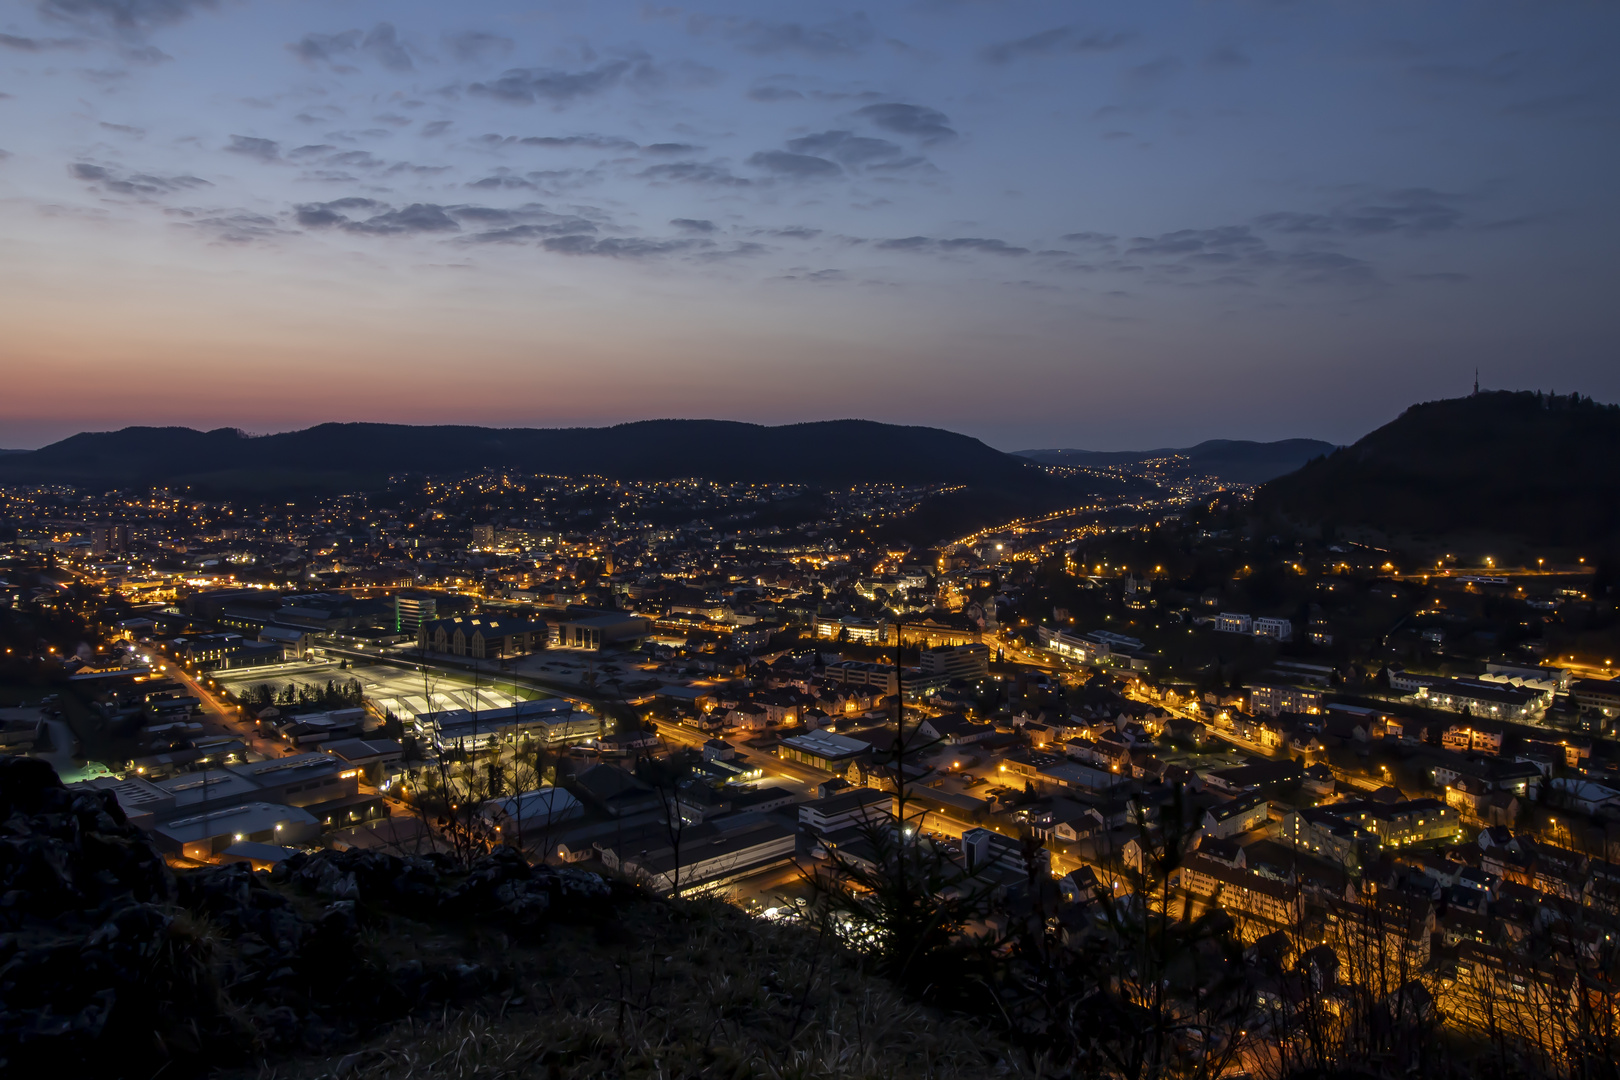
pixel 1236 460
pixel 831 452
pixel 1542 468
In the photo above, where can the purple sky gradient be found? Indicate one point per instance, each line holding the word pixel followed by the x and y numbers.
pixel 1043 224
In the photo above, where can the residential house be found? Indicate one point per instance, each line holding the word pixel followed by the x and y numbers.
pixel 1235 816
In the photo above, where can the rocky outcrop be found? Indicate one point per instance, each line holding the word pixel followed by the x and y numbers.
pixel 501 886
pixel 68 852
pixel 88 934
pixel 113 965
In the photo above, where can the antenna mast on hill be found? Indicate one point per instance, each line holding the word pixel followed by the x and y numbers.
pixel 1476 382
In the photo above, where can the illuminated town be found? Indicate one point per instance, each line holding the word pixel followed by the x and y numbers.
pixel 908 541
pixel 695 686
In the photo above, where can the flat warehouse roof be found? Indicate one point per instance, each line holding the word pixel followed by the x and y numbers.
pixel 826 744
pixel 245 819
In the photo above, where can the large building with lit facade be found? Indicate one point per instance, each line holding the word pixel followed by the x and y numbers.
pixel 482 637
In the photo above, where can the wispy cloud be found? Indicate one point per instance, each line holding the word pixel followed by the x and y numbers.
pixel 1057 40
pixel 415 218
pixel 382 44
pixel 1410 211
pixel 228 226
pixel 528 86
pixel 769 92
pixel 116 181
pixel 847 147
pixel 713 173
pixel 619 247
pixel 38 44
pixel 478 46
pixel 799 166
pixel 929 244
pixel 920 122
pixel 837 37
pixel 263 149
pixel 124 16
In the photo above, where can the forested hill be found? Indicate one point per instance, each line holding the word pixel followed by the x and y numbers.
pixel 834 452
pixel 1538 467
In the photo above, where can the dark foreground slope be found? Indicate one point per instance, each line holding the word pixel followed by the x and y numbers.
pixel 1539 468
pixel 1235 461
pixel 368 965
pixel 834 452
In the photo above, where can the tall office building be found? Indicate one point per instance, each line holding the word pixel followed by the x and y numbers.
pixel 110 539
pixel 411 610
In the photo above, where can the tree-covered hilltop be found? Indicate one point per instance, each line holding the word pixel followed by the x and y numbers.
pixel 1537 467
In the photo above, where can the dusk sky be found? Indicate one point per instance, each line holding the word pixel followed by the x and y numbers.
pixel 1043 224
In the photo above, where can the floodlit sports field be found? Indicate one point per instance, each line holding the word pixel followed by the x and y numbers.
pixel 403 693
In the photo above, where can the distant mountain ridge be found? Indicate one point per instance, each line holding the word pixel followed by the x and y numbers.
pixel 1516 463
pixel 334 455
pixel 1237 460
